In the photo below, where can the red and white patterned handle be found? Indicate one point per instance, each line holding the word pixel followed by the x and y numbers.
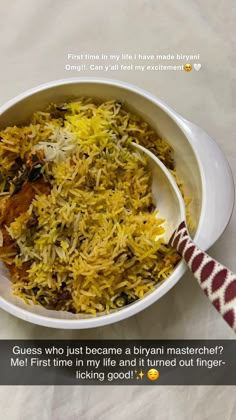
pixel 217 281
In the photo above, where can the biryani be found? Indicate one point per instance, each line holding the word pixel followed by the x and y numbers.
pixel 78 228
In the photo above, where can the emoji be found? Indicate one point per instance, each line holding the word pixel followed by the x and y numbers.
pixel 153 374
pixel 140 375
pixel 197 67
pixel 188 67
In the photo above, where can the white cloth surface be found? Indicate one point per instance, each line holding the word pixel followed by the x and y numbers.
pixel 35 39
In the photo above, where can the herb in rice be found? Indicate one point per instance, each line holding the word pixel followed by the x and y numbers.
pixel 78 230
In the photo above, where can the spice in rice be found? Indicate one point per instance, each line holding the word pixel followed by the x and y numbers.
pixel 78 229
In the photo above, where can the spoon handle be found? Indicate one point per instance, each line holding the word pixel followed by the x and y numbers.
pixel 217 281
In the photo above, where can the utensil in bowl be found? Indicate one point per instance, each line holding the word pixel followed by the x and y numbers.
pixel 216 280
pixel 200 164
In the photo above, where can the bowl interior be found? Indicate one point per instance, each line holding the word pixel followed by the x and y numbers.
pixel 19 111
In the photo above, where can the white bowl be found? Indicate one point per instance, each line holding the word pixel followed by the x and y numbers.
pixel 199 162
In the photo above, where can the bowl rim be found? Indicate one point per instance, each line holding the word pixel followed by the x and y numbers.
pixel 163 287
pixel 136 89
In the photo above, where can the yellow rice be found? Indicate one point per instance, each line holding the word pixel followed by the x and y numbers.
pixel 98 241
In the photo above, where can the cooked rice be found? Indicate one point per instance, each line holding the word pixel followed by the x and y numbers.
pixel 93 237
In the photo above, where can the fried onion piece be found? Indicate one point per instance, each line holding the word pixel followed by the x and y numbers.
pixel 19 203
pixel 19 272
pixel 12 208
